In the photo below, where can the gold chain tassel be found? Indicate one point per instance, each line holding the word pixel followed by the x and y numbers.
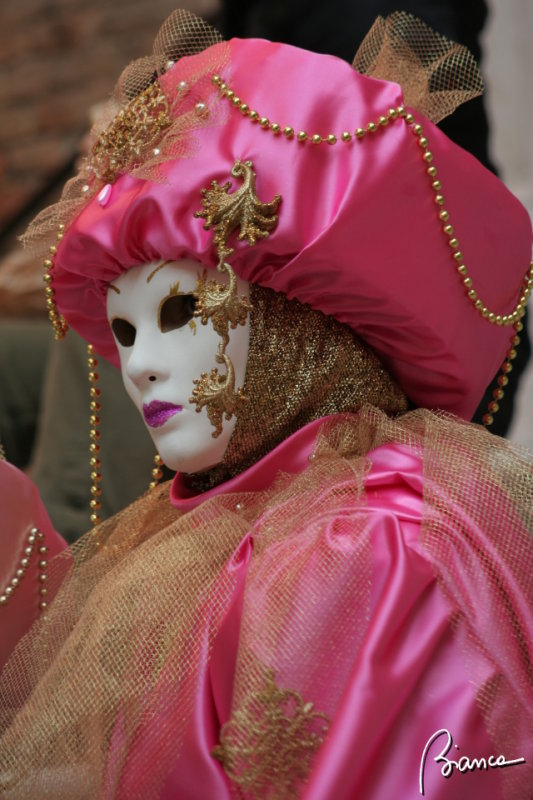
pixel 57 320
pixel 503 380
pixel 94 434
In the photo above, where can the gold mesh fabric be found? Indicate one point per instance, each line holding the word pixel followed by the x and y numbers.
pixel 113 670
pixel 436 74
pixel 302 365
pixel 182 34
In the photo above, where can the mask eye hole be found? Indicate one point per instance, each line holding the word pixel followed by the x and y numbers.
pixel 175 311
pixel 124 332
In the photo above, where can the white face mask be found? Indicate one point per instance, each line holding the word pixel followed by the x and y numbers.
pixel 162 349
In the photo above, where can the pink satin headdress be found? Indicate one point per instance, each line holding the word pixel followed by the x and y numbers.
pixel 363 234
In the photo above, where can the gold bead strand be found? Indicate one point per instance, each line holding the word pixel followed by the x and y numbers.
pixel 34 545
pixel 43 565
pixel 302 136
pixel 59 323
pixel 503 380
pixel 453 242
pixel 371 129
pixel 157 472
pixel 94 434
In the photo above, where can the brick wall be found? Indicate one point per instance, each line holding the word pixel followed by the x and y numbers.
pixel 57 58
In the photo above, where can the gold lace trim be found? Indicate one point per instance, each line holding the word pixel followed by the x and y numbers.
pixel 271 740
pixel 120 147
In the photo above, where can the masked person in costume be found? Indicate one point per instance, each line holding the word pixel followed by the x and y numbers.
pixel 335 597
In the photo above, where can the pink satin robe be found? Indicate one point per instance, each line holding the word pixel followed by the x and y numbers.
pixel 408 681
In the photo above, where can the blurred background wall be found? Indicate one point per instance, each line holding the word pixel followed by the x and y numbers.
pixel 58 58
pixel 508 70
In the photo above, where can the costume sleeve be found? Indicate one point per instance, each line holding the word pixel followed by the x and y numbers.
pixel 409 680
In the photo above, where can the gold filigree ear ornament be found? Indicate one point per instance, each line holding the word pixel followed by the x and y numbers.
pixel 224 212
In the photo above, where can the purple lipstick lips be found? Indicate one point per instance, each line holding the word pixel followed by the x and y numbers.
pixel 157 412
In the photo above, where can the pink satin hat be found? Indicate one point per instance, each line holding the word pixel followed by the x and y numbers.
pixel 361 231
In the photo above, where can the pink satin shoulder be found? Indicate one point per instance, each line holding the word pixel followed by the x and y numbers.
pixel 409 680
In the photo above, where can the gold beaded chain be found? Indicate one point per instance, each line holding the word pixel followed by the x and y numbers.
pixel 59 323
pixel 393 114
pixel 360 134
pixel 157 472
pixel 94 448
pixel 503 380
pixel 94 434
pixel 34 545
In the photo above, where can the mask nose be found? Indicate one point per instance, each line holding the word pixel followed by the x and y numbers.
pixel 144 365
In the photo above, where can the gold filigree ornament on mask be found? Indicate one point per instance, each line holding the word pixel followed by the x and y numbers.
pixel 274 733
pixel 224 212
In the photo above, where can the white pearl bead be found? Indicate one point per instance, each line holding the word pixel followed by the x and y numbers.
pixel 104 195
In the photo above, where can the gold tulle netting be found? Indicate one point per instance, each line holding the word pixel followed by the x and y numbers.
pixel 97 699
pixel 436 74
